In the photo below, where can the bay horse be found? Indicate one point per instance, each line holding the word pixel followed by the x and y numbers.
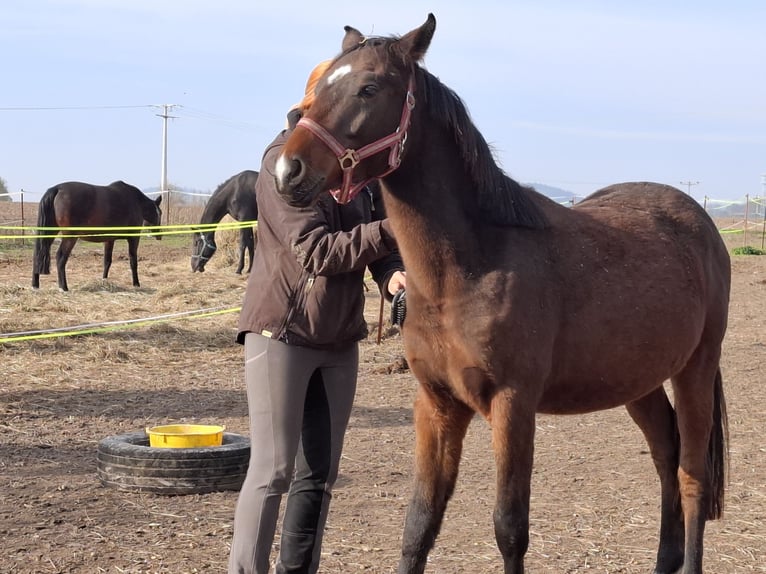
pixel 80 206
pixel 518 305
pixel 235 197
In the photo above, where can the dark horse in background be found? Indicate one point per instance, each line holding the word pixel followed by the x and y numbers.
pixel 235 197
pixel 518 305
pixel 83 205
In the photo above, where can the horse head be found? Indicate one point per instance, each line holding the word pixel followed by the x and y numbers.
pixel 357 127
pixel 152 215
pixel 203 249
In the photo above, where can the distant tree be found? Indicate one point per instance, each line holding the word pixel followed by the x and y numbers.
pixel 4 191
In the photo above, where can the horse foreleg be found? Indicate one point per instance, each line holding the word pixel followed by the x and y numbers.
pixel 701 413
pixel 133 255
pixel 513 437
pixel 62 256
pixel 108 249
pixel 440 426
pixel 656 418
pixel 250 246
pixel 245 244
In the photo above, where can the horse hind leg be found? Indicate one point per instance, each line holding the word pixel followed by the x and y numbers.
pixel 108 250
pixel 656 418
pixel 41 263
pixel 703 430
pixel 440 427
pixel 133 256
pixel 62 256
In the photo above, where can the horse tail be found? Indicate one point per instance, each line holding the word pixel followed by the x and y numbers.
pixel 45 218
pixel 718 451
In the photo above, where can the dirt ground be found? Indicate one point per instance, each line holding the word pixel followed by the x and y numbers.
pixel 595 496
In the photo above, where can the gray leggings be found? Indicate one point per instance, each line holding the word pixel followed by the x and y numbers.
pixel 299 402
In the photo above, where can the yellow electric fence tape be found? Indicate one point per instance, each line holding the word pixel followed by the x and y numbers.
pixel 180 229
pixel 93 328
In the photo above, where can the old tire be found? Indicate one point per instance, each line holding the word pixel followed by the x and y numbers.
pixel 128 462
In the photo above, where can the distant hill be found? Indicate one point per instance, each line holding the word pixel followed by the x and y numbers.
pixel 557 194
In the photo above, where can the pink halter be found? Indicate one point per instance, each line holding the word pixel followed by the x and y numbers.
pixel 349 158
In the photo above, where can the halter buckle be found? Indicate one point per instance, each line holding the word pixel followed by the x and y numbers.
pixel 348 160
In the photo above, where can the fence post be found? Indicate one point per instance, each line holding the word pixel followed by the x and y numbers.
pixel 167 207
pixel 23 241
pixel 763 227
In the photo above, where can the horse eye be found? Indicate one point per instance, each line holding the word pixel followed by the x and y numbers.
pixel 368 91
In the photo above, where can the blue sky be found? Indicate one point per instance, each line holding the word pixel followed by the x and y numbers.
pixel 576 95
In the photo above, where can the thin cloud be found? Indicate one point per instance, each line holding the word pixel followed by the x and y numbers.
pixel 613 134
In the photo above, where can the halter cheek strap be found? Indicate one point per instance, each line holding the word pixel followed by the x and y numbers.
pixel 350 158
pixel 205 245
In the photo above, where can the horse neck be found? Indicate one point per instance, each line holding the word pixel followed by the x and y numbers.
pixel 216 207
pixel 435 225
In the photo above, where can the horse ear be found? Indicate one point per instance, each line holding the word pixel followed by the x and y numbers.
pixel 352 38
pixel 415 43
pixel 158 201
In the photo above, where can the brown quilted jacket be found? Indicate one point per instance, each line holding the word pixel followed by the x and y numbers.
pixel 306 285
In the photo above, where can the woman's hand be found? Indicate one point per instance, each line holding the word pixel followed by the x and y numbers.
pixel 398 281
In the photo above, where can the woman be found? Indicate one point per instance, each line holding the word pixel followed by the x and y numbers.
pixel 301 321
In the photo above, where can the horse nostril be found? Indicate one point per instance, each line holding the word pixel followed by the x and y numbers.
pixel 296 170
pixel 289 173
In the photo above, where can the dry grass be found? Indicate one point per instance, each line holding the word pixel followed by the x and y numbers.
pixel 595 496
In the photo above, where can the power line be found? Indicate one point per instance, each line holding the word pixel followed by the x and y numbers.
pixel 58 108
pixel 185 111
pixel 198 114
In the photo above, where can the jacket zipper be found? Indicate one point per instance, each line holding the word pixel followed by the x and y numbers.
pixel 305 283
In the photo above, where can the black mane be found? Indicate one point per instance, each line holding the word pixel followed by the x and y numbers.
pixel 224 184
pixel 502 200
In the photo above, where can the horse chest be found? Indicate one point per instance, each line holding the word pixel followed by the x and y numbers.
pixel 449 362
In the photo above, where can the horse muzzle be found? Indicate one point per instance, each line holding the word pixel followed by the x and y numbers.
pixel 299 189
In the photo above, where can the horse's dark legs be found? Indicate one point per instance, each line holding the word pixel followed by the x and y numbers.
pixel 700 410
pixel 241 251
pixel 108 249
pixel 246 243
pixel 133 255
pixel 656 418
pixel 513 433
pixel 440 427
pixel 62 256
pixel 41 264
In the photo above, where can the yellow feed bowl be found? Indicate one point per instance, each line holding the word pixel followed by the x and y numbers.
pixel 185 436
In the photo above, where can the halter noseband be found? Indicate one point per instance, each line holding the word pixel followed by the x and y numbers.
pixel 205 244
pixel 349 158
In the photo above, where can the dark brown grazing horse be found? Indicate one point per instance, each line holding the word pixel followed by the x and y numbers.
pixel 518 305
pixel 235 197
pixel 83 205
